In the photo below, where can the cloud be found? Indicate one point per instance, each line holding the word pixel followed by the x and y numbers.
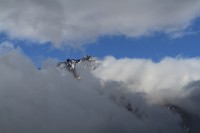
pixel 78 22
pixel 168 76
pixel 50 100
pixel 6 47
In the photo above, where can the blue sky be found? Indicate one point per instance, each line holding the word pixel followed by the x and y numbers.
pixel 100 32
pixel 155 47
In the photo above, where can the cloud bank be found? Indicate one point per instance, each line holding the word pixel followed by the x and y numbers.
pixel 78 22
pixel 170 75
pixel 50 100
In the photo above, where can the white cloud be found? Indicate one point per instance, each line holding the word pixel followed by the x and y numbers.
pixel 167 77
pixel 6 47
pixel 45 100
pixel 79 21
